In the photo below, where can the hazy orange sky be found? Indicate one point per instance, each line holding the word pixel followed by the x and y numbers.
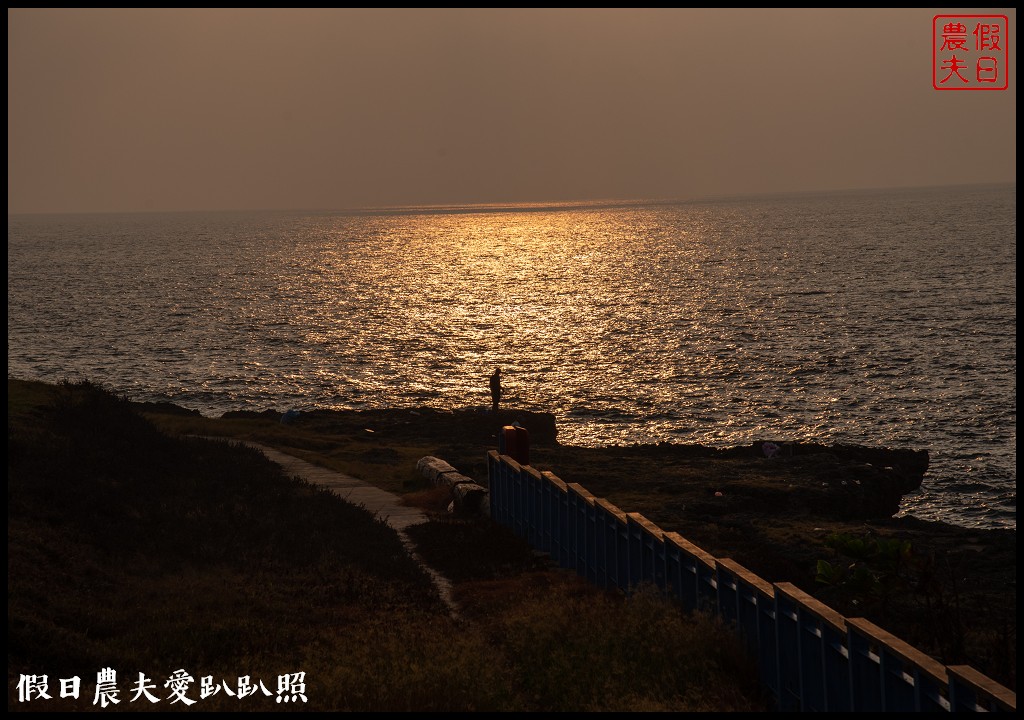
pixel 206 109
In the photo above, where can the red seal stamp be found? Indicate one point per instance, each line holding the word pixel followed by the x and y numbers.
pixel 970 52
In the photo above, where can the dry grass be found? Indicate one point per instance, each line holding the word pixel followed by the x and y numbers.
pixel 773 517
pixel 135 550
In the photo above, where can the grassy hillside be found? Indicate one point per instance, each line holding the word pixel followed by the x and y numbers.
pixel 136 550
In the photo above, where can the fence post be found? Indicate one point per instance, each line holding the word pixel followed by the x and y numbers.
pixel 754 613
pixel 559 504
pixel 593 559
pixel 821 638
pixel 634 553
pixel 611 567
pixel 547 489
pixel 579 501
pixel 971 691
pixel 787 645
pixel 695 583
pixel 646 549
pixel 888 675
pixel 531 492
pixel 540 482
pixel 494 485
pixel 514 499
pixel 507 472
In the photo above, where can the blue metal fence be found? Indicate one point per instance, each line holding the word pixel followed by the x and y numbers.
pixel 810 657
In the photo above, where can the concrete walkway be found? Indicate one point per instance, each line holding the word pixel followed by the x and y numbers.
pixel 381 503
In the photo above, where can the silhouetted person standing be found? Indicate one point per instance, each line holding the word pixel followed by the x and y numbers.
pixel 496 388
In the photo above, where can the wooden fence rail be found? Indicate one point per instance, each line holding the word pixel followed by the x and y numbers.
pixel 809 656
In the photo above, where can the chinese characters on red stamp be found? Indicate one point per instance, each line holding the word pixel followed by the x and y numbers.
pixel 970 52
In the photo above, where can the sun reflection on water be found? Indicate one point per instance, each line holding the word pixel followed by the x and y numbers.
pixel 712 323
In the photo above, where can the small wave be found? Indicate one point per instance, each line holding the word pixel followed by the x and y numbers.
pixel 967 486
pixel 843 347
pixel 604 414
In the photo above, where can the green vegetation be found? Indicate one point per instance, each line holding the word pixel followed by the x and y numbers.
pixel 886 577
pixel 873 568
pixel 145 551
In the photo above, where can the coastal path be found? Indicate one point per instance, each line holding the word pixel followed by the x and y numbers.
pixel 381 503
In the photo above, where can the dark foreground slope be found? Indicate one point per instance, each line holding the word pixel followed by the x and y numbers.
pixel 138 551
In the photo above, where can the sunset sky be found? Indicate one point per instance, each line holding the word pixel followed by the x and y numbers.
pixel 211 109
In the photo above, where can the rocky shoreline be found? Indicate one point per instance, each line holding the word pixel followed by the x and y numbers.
pixel 860 482
pixel 779 509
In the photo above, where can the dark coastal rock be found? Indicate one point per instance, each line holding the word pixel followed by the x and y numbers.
pixel 541 425
pixel 862 482
pixel 274 415
pixel 848 488
pixel 841 481
pixel 463 425
pixel 164 408
pixel 913 463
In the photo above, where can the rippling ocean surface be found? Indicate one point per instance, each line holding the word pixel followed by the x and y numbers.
pixel 883 318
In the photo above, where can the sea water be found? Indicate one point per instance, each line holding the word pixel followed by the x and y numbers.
pixel 881 318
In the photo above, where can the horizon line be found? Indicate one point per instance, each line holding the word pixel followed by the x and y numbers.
pixel 521 205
